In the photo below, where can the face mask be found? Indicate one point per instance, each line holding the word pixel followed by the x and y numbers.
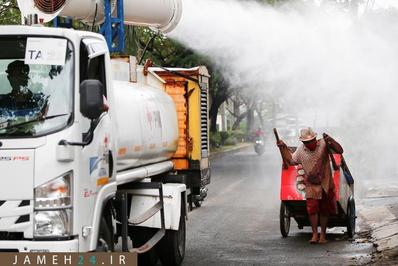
pixel 311 145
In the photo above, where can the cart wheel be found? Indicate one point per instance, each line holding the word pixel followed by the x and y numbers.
pixel 351 216
pixel 284 220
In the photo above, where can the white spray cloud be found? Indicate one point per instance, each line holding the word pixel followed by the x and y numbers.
pixel 311 57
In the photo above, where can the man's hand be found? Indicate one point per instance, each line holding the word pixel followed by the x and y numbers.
pixel 285 153
pixel 331 143
pixel 327 139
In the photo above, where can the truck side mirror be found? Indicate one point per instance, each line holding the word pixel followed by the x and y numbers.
pixel 91 98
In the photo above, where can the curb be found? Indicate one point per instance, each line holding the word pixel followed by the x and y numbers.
pixel 380 222
pixel 220 154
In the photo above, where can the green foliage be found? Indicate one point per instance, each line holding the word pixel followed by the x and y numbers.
pixel 231 137
pixel 231 141
pixel 224 136
pixel 215 139
pixel 162 50
pixel 9 12
pixel 221 138
pixel 239 135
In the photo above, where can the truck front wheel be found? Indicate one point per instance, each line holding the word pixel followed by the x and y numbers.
pixel 171 249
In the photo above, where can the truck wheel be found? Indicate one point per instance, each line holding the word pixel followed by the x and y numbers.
pixel 105 238
pixel 171 248
pixel 139 236
pixel 284 220
pixel 351 217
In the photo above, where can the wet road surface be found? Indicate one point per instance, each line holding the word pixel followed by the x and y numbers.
pixel 238 223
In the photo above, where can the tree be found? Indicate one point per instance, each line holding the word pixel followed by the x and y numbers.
pixel 9 12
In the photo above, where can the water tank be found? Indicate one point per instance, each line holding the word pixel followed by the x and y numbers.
pixel 163 15
pixel 146 124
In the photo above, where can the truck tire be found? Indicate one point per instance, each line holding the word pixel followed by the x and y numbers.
pixel 105 238
pixel 139 236
pixel 171 249
pixel 284 220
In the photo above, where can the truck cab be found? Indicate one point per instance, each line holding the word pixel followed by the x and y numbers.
pixel 77 160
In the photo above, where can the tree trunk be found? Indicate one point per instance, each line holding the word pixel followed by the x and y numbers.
pixel 215 105
pixel 260 117
pixel 213 120
pixel 238 120
pixel 250 121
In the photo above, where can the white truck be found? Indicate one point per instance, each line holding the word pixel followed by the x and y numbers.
pixel 88 143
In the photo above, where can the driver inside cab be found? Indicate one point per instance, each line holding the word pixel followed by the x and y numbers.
pixel 20 97
pixel 20 104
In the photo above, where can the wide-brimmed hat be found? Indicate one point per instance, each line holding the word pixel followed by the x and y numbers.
pixel 307 134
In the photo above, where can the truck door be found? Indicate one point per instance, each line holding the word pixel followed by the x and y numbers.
pixel 92 61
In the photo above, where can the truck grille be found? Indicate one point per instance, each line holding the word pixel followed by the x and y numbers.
pixel 204 120
pixel 15 219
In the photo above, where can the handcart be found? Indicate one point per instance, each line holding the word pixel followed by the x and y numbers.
pixel 293 204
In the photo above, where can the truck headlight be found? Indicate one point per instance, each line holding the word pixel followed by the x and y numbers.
pixel 53 194
pixel 53 223
pixel 53 208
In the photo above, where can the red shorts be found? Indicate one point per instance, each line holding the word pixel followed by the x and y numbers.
pixel 325 206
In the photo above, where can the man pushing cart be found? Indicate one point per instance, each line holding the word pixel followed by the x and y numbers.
pixel 308 183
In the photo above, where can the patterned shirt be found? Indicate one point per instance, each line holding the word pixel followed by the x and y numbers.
pixel 315 162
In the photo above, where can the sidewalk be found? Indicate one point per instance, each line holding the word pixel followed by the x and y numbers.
pixel 378 222
pixel 220 152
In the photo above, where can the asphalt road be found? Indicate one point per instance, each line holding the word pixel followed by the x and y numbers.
pixel 238 223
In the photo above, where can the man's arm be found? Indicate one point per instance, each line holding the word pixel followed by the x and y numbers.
pixel 334 145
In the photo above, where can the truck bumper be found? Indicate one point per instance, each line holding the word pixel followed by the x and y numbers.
pixel 40 246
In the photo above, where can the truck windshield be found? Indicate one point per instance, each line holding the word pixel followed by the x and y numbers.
pixel 36 85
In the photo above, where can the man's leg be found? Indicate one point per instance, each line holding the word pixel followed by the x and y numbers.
pixel 314 226
pixel 313 209
pixel 327 206
pixel 324 222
